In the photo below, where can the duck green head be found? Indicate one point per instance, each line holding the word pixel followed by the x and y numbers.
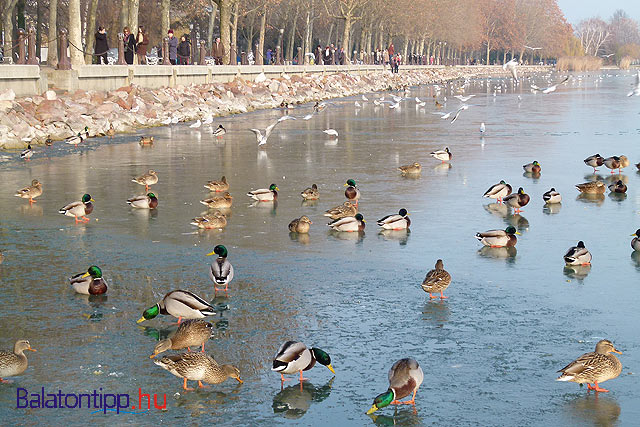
pixel 149 313
pixel 273 187
pixel 511 230
pixel 93 271
pixel 403 212
pixel 381 401
pixel 359 217
pixel 87 198
pixel 151 196
pixel 219 250
pixel 502 182
pixel 86 128
pixel 350 183
pixel 637 233
pixel 535 163
pixel 322 358
pixel 520 190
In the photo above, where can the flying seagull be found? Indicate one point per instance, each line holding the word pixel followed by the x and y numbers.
pixel 464 98
pixel 532 48
pixel 262 138
pixel 550 88
pixel 511 66
pixel 461 109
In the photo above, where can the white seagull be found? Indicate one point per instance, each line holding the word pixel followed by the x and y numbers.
pixel 464 98
pixel 511 66
pixel 262 138
pixel 461 109
pixel 636 89
pixel 482 127
pixel 196 124
pixel 331 132
pixel 550 88
pixel 364 98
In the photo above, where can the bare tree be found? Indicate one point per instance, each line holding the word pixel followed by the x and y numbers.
pixel 7 26
pixel 52 54
pixel 75 33
pixel 348 11
pixel 91 31
pixel 593 33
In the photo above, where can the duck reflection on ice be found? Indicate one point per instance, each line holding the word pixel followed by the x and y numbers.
pixel 31 209
pixel 442 168
pixel 597 199
pixel 401 416
pixel 578 272
pixel 294 401
pixel 612 179
pixel 618 197
pixel 264 206
pixel 551 208
pixel 498 209
pixel 401 236
pixel 302 238
pixel 635 257
pixel 534 176
pixel 436 311
pixel 594 409
pixel 518 221
pixel 357 236
pixel 593 177
pixel 507 253
pixel 309 203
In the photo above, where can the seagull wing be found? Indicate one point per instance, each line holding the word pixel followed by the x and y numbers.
pixel 258 133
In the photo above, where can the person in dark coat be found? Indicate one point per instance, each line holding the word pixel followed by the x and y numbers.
pixel 141 43
pixel 129 45
pixel 101 46
pixel 341 56
pixel 326 56
pixel 184 51
pixel 318 55
pixel 217 51
pixel 173 48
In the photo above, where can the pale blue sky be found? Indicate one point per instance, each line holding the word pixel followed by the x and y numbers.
pixel 576 10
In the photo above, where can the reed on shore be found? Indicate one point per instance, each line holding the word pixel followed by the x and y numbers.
pixel 578 63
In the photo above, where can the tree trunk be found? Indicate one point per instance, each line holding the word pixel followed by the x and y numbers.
pixel 234 32
pixel 488 52
pixel 124 14
pixel 330 33
pixel 405 47
pixel 39 26
pixel 165 7
pixel 346 33
pixel 7 26
pixel 263 28
pixel 52 54
pixel 75 36
pixel 225 26
pixel 91 31
pixel 292 37
pixel 306 43
pixel 212 23
pixel 133 17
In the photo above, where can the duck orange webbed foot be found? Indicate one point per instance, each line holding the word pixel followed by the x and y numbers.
pixel 202 385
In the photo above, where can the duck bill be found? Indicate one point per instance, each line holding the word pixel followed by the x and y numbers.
pixel 153 355
pixel 92 200
pixel 373 409
pixel 518 233
pixel 85 275
pixel 211 253
pixel 140 320
pixel 33 349
pixel 239 380
pixel 330 368
pixel 634 235
pixel 615 350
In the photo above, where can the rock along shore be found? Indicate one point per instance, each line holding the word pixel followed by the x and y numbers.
pixel 36 118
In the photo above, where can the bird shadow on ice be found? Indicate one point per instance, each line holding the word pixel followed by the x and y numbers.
pixel 578 272
pixel 294 401
pixel 593 409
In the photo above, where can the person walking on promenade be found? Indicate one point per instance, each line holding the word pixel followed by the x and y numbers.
pixel 326 56
pixel 184 51
pixel 129 45
pixel 173 48
pixel 341 57
pixel 318 55
pixel 385 58
pixel 142 42
pixel 101 46
pixel 391 50
pixel 217 51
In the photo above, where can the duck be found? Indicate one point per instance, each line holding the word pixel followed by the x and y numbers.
pixel 405 378
pixel 198 367
pixel 595 367
pixel 624 161
pixel 180 304
pixel 148 201
pixel 293 357
pixel 12 364
pixel 300 225
pixel 147 179
pixel 618 187
pixel 499 238
pixel 89 283
pixel 638 165
pixel 594 161
pixel 31 191
pixel 593 187
pixel 210 221
pixel 635 243
pixel 265 195
pixel 111 131
pixel 399 221
pixel 81 209
pixel 413 169
pixel 27 154
pixel 344 210
pixel 578 255
pixel 612 163
pixel 219 131
pixel 217 186
pixel 498 191
pixel 48 142
pixel 517 200
pixel 352 193
pixel 222 202
pixel 552 196
pixel 443 155
pixel 78 138
pixel 220 270
pixel 311 193
pixel 436 280
pixel 146 140
pixel 190 333
pixel 349 223
pixel 533 168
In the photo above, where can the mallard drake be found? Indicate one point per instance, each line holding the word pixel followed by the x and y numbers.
pixel 220 270
pixel 349 223
pixel 209 221
pixel 618 187
pixel 190 333
pixel 552 196
pixel 498 191
pixel 594 161
pixel 27 154
pixel 635 243
pixel 612 163
pixel 30 192
pixel 437 280
pixel 111 131
pixel 146 140
pixel 222 202
pixel 595 367
pixel 578 255
pixel 198 367
pixel 217 186
pixel 179 303
pixel 294 356
pixel 499 238
pixel 443 155
pixel 147 179
pixel 517 200
pixel 399 221
pixel 352 193
pixel 593 187
pixel 150 201
pixel 533 168
pixel 311 193
pixel 76 139
pixel 265 195
pixel 79 209
pixel 405 378
pixel 341 211
pixel 220 130
pixel 300 225
pixel 15 363
pixel 89 283
pixel 415 168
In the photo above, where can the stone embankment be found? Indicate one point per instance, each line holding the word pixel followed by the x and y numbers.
pixel 57 116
